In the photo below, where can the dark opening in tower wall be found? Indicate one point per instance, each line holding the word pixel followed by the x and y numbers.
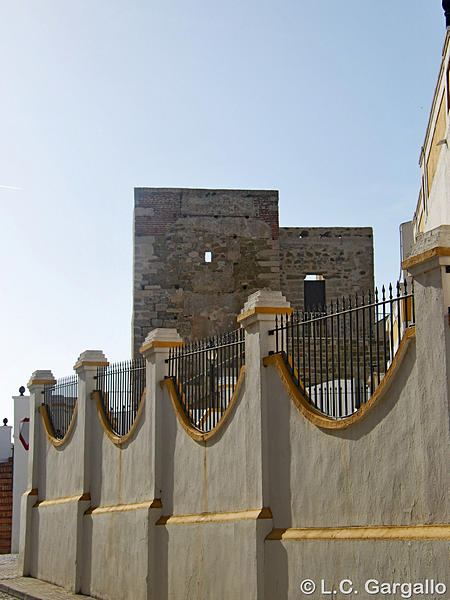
pixel 314 296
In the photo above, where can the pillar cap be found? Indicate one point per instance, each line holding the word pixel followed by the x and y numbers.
pixel 428 246
pixel 161 338
pixel 265 302
pixel 41 378
pixel 91 358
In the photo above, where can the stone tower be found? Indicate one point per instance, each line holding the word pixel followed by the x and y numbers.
pixel 198 254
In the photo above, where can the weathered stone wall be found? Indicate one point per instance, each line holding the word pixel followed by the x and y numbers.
pixel 175 287
pixel 343 255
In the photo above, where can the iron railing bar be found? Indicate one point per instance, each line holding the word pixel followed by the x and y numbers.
pixel 344 335
pixel 328 316
pixel 358 365
pixel 212 347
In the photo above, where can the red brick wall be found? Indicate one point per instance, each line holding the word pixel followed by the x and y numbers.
pixel 6 484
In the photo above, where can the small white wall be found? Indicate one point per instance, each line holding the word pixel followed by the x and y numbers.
pixel 20 472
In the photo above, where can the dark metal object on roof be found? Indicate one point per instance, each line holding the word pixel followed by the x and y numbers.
pixel 446 7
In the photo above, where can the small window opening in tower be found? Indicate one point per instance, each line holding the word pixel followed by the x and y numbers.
pixel 208 256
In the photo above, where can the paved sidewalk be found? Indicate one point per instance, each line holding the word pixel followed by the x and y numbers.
pixel 27 588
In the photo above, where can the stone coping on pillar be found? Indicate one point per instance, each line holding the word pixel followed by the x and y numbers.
pixel 265 302
pixel 161 338
pixel 428 245
pixel 42 377
pixel 91 358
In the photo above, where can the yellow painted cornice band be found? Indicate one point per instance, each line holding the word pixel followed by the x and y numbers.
pixel 194 433
pixel 265 310
pixel 117 439
pixel 424 256
pixel 216 517
pixel 160 344
pixel 89 363
pixel 49 429
pixel 101 510
pixel 66 500
pixel 41 382
pixel 318 418
pixel 379 532
pixel 437 95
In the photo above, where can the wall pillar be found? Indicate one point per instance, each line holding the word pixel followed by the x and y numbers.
pixel 155 349
pixel 429 264
pixel 86 369
pixel 20 475
pixel 36 386
pixel 258 318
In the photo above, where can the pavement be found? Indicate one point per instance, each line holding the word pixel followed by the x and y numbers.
pixel 13 586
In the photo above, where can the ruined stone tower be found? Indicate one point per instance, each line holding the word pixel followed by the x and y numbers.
pixel 198 254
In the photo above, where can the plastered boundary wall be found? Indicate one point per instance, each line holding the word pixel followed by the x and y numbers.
pixel 268 501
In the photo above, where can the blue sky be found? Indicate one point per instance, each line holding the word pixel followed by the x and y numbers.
pixel 325 101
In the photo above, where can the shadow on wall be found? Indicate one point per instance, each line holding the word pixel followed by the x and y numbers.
pixel 281 464
pixel 88 520
pixel 165 444
pixel 384 404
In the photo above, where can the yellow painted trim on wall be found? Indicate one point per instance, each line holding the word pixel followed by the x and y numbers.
pixel 89 363
pixel 424 256
pixel 116 439
pixel 194 433
pixel 49 430
pixel 434 151
pixel 32 492
pixel 160 344
pixel 321 420
pixel 216 517
pixel 436 95
pixel 86 497
pixel 101 510
pixel 378 532
pixel 265 310
pixel 421 221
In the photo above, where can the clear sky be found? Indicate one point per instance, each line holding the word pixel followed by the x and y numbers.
pixel 325 101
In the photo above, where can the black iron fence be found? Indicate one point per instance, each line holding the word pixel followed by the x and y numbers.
pixel 338 355
pixel 205 374
pixel 59 401
pixel 121 387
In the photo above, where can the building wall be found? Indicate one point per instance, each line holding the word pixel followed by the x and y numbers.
pixel 175 287
pixel 433 206
pixel 342 255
